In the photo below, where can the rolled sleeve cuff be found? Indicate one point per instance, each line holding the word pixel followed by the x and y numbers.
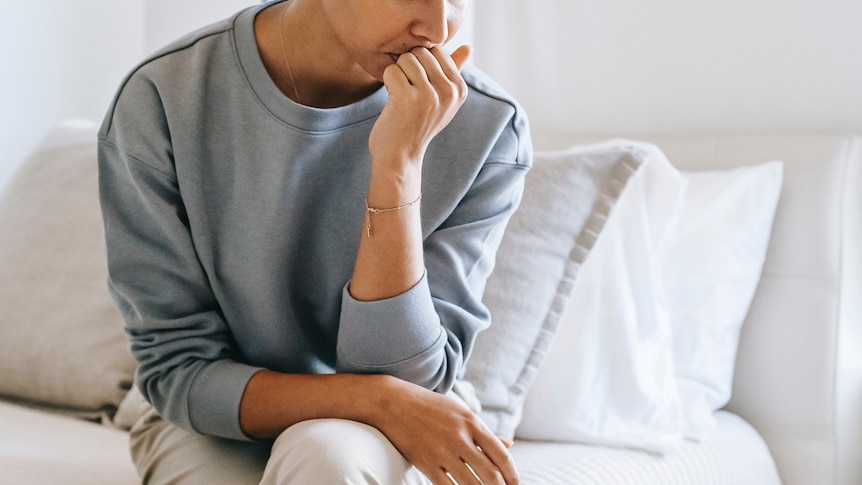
pixel 215 397
pixel 377 336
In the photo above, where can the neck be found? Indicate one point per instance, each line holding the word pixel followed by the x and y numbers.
pixel 300 57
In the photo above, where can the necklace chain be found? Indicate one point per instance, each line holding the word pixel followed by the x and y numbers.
pixel 284 52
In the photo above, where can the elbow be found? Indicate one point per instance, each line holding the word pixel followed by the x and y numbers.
pixel 435 368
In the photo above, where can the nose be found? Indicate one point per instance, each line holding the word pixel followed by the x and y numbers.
pixel 432 22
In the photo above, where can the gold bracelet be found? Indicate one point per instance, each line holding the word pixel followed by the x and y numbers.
pixel 373 210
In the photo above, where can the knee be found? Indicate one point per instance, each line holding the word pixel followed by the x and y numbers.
pixel 335 451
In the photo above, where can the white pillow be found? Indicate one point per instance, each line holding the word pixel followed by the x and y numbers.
pixel 608 378
pixel 567 198
pixel 612 376
pixel 62 343
pixel 712 265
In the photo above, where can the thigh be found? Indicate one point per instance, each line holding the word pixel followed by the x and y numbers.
pixel 338 451
pixel 167 454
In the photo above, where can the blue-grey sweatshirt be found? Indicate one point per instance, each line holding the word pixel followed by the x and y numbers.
pixel 233 216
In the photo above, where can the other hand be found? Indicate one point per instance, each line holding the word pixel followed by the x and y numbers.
pixel 439 435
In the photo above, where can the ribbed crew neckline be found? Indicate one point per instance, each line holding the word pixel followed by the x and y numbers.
pixel 299 116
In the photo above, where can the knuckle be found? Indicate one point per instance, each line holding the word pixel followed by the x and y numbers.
pixel 498 478
pixel 493 476
pixel 474 420
pixel 462 90
pixel 434 97
pixel 449 92
pixel 509 464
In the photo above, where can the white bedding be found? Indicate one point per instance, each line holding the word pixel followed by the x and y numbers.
pixel 734 455
pixel 39 448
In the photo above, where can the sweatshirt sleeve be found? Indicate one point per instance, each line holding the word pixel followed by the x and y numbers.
pixel 188 364
pixel 425 335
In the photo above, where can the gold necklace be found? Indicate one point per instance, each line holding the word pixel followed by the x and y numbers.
pixel 284 52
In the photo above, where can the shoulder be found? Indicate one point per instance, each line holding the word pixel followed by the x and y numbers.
pixel 491 112
pixel 179 58
pixel 488 91
pixel 171 80
pixel 197 46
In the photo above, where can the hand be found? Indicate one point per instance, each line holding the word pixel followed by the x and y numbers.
pixel 425 91
pixel 438 436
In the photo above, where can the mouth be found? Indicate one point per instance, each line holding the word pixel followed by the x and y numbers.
pixel 394 57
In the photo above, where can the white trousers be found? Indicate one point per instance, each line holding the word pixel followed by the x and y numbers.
pixel 316 452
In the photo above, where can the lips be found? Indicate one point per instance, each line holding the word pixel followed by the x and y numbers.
pixel 394 57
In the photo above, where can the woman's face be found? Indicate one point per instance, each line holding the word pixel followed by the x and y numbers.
pixel 373 33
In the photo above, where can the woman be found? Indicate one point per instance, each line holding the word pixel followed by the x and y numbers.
pixel 302 205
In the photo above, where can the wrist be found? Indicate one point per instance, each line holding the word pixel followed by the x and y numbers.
pixel 394 187
pixel 378 401
pixel 396 159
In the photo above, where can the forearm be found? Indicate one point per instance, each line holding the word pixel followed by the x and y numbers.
pixel 390 260
pixel 425 91
pixel 432 431
pixel 272 402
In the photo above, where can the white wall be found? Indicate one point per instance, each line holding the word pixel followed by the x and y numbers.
pixel 65 59
pixel 168 19
pixel 677 65
pixel 608 66
pixel 26 77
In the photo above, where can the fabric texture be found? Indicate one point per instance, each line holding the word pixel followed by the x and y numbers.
pixel 608 378
pixel 567 199
pixel 712 266
pixel 233 217
pixel 734 455
pixel 61 338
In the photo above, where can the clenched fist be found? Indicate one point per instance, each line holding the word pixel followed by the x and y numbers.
pixel 425 91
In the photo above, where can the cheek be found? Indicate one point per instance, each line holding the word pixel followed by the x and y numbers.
pixel 454 27
pixel 456 16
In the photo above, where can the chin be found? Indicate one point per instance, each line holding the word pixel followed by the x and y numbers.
pixel 376 70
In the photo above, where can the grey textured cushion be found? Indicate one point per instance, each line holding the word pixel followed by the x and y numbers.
pixel 567 198
pixel 62 341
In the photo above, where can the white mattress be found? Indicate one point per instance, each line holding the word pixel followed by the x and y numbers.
pixel 735 455
pixel 39 448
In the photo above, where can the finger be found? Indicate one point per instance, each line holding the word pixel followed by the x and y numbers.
pixel 484 478
pixel 394 77
pixel 490 470
pixel 500 457
pixel 462 474
pixel 413 69
pixel 440 477
pixel 482 468
pixel 434 64
pixel 461 55
pixel 448 64
pixel 508 444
